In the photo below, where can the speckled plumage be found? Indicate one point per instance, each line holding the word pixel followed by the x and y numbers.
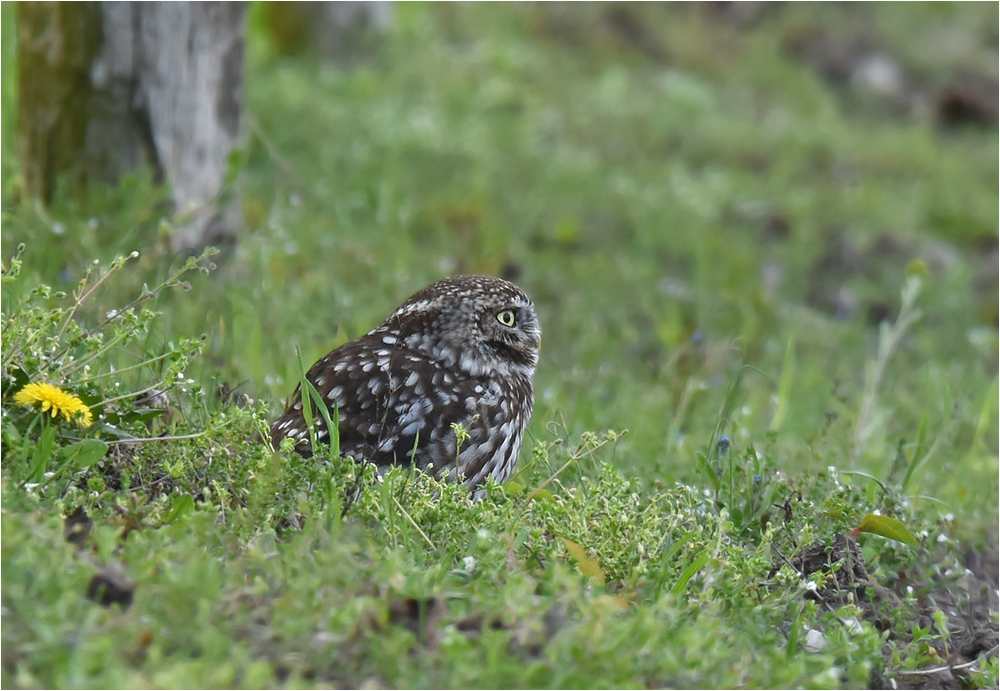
pixel 447 355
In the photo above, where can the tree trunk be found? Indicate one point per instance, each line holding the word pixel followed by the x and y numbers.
pixel 105 87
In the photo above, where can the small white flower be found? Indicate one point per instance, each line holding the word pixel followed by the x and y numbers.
pixel 854 626
pixel 469 562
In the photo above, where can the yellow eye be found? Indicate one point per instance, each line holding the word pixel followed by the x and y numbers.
pixel 506 317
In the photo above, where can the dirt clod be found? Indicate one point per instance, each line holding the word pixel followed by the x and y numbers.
pixel 110 586
pixel 77 526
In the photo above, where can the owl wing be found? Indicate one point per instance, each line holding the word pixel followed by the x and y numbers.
pixel 393 405
pixel 341 378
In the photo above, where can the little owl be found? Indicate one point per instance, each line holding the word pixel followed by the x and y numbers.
pixel 461 351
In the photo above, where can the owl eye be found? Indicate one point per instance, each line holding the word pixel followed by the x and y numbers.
pixel 506 317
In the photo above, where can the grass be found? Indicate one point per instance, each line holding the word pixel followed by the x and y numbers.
pixel 721 243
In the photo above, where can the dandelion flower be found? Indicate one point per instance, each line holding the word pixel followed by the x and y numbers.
pixel 55 400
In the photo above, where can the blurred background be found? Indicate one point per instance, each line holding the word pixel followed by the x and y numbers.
pixel 684 189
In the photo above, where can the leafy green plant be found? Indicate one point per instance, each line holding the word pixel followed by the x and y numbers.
pixel 889 339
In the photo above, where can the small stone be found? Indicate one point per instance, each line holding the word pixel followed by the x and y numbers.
pixel 815 641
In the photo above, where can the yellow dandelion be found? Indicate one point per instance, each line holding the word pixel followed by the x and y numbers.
pixel 55 400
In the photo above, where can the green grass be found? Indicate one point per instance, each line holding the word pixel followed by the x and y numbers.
pixel 685 217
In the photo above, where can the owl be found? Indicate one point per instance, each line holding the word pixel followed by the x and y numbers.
pixel 458 355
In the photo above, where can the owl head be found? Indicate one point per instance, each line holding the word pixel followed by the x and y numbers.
pixel 478 324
